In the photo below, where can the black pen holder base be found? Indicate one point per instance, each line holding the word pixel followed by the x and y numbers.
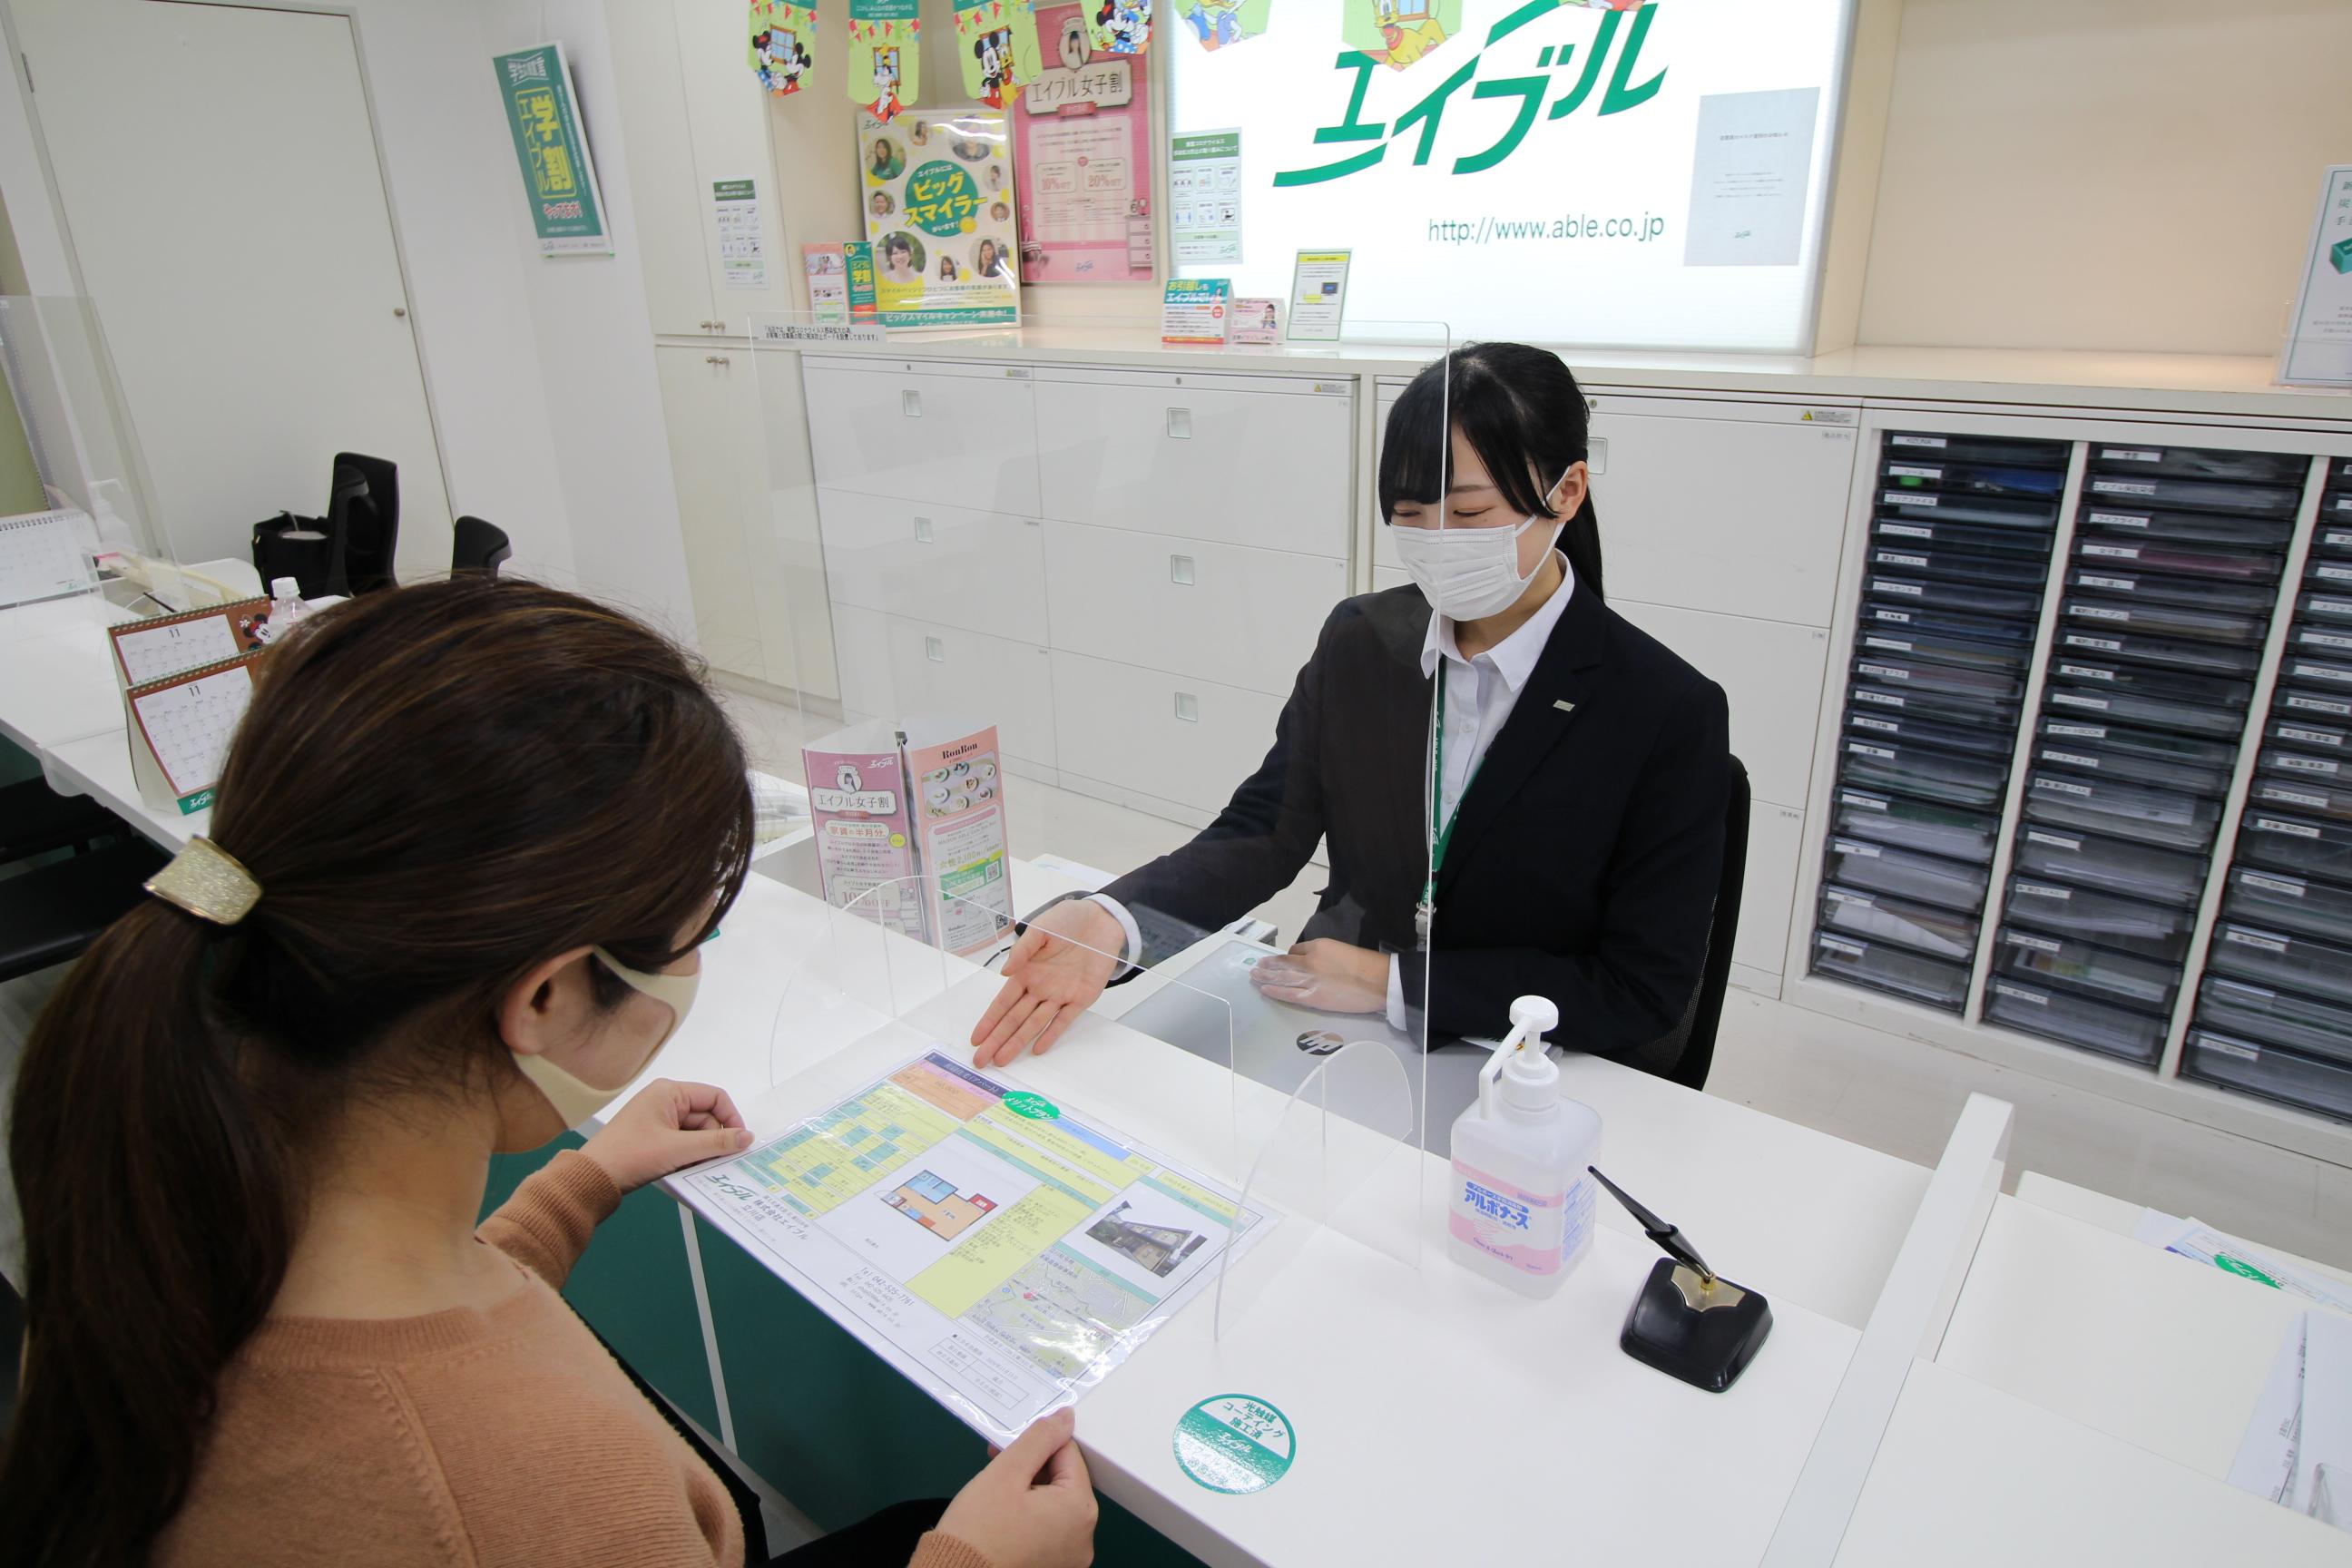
pixel 1704 1333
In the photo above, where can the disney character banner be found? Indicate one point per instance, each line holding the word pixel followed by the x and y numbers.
pixel 997 42
pixel 783 39
pixel 886 55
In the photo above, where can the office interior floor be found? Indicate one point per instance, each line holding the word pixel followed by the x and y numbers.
pixel 1857 1083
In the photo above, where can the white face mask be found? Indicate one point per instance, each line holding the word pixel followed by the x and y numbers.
pixel 1469 573
pixel 575 1100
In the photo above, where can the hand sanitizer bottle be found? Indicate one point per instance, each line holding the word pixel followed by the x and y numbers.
pixel 1521 1209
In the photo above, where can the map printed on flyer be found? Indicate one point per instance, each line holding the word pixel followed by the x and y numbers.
pixel 999 1252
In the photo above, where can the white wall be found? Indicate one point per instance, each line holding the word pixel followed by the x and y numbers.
pixel 2122 175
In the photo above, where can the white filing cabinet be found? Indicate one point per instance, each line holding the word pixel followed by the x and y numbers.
pixel 892 665
pixel 946 432
pixel 976 570
pixel 1157 740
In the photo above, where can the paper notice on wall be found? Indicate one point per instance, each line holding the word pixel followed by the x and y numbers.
pixel 1750 174
pixel 1204 195
pixel 742 248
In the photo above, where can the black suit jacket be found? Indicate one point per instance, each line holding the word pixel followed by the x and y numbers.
pixel 1584 860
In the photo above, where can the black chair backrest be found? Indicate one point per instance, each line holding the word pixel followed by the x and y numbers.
pixel 1685 1054
pixel 307 549
pixel 363 501
pixel 477 546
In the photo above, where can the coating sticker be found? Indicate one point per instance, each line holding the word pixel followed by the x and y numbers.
pixel 1235 1444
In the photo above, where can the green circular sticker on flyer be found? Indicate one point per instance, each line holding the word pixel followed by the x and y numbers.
pixel 1236 1443
pixel 1036 1107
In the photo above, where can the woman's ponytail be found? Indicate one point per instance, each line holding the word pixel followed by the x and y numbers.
pixel 156 1235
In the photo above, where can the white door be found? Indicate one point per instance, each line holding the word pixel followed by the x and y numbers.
pixel 228 214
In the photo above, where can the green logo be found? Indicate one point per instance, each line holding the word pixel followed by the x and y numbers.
pixel 191 804
pixel 941 197
pixel 2223 1261
pixel 1236 1443
pixel 1036 1107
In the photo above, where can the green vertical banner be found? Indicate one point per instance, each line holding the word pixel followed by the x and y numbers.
pixel 566 211
pixel 784 44
pixel 997 42
pixel 886 55
pixel 858 255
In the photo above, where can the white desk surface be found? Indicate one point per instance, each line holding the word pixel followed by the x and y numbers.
pixel 57 681
pixel 2122 1217
pixel 2150 1348
pixel 1967 1476
pixel 100 766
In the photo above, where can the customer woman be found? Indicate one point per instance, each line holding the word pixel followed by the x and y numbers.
pixel 1547 817
pixel 470 838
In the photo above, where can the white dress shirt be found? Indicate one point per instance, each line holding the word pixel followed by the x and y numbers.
pixel 1479 696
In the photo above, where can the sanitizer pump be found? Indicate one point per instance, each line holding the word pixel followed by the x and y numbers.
pixel 1522 1202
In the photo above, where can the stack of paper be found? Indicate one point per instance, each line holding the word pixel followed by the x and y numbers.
pixel 2297 1449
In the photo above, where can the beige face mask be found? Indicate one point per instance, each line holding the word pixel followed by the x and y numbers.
pixel 575 1100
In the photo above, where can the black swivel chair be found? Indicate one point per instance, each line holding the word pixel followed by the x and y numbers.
pixel 364 514
pixel 50 914
pixel 1685 1054
pixel 477 546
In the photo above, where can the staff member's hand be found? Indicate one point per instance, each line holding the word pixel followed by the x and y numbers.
pixel 1054 973
pixel 1328 976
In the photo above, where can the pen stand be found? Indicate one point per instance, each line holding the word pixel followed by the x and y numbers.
pixel 1703 1333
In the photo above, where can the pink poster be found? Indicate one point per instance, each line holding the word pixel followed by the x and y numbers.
pixel 866 856
pixel 1082 160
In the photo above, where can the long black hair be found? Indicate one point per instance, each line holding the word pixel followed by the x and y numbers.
pixel 1525 416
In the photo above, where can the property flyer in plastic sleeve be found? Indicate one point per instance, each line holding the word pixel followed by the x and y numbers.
pixel 1001 1252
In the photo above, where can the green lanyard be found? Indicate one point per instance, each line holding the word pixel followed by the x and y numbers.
pixel 1425 914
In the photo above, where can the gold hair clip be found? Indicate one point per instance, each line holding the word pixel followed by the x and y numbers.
pixel 207 880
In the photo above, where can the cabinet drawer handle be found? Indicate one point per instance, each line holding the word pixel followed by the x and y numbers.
pixel 706 326
pixel 1188 708
pixel 1179 570
pixel 911 403
pixel 1596 454
pixel 935 651
pixel 1180 424
pixel 715 358
pixel 718 326
pixel 922 530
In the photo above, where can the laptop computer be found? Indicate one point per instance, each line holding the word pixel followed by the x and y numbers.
pixel 1279 1043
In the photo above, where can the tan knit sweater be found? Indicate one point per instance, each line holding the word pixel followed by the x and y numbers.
pixel 500 1436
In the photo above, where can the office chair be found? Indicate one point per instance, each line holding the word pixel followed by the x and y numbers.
pixel 35 820
pixel 477 546
pixel 363 510
pixel 307 549
pixel 50 914
pixel 1685 1054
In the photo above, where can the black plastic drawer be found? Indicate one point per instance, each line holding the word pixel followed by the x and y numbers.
pixel 1881 869
pixel 2274 1074
pixel 1968 598
pixel 1983 511
pixel 2295 767
pixel 2200 531
pixel 2277 902
pixel 1914 675
pixel 2327 575
pixel 2305 798
pixel 1913 470
pixel 1965 640
pixel 2134 587
pixel 2154 745
pixel 2061 963
pixel 2199 463
pixel 2326 605
pixel 2012 634
pixel 2076 639
pixel 2126 706
pixel 2269 1015
pixel 2073 1020
pixel 2102 612
pixel 2293 732
pixel 1964 738
pixel 2262 955
pixel 2314 668
pixel 1882 966
pixel 2016 572
pixel 2295 845
pixel 2169 819
pixel 1923 534
pixel 2111 866
pixel 2006 450
pixel 1945 776
pixel 1868 697
pixel 2125 552
pixel 1917 825
pixel 2100 487
pixel 2298 702
pixel 2125 763
pixel 1881 917
pixel 2126 925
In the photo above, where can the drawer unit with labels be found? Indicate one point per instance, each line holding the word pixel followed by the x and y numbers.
pixel 2162 617
pixel 1953 575
pixel 2274 1009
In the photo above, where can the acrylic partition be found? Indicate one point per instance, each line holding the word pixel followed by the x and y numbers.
pixel 76 522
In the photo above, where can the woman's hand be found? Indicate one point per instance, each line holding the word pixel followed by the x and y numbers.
pixel 666 1126
pixel 1328 976
pixel 1033 1506
pixel 1054 972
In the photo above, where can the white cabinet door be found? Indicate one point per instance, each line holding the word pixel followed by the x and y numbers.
pixel 1732 506
pixel 709 434
pixel 949 434
pixel 1162 737
pixel 1771 673
pixel 780 496
pixel 1220 612
pixel 727 115
pixel 977 570
pixel 1767 897
pixel 648 83
pixel 1189 457
pixel 895 667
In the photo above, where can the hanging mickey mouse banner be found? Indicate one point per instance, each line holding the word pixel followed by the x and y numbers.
pixel 997 41
pixel 886 51
pixel 1216 22
pixel 1397 33
pixel 781 34
pixel 1118 26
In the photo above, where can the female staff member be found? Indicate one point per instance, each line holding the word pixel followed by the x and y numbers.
pixel 1570 796
pixel 471 836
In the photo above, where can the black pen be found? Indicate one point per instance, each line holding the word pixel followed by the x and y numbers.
pixel 1667 1236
